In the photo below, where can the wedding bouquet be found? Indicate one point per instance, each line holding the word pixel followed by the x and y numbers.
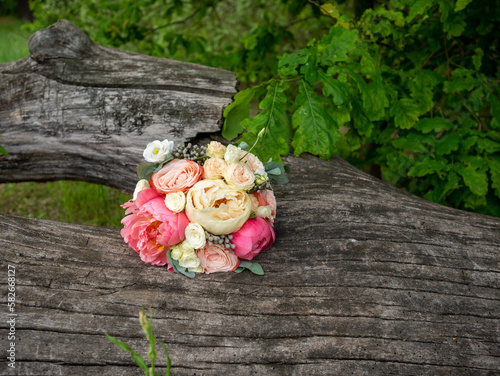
pixel 202 209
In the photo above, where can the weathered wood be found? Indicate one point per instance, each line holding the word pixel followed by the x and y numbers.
pixel 76 110
pixel 363 278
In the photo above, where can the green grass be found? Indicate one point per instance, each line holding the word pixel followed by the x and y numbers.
pixel 13 40
pixel 66 201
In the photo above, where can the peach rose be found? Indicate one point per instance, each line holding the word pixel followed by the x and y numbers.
pixel 266 198
pixel 217 207
pixel 214 168
pixel 216 258
pixel 252 162
pixel 177 175
pixel 239 176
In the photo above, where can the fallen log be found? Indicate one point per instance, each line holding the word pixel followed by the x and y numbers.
pixel 363 278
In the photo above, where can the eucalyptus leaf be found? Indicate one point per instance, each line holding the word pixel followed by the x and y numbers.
pixel 254 267
pixel 275 171
pixel 177 267
pixel 278 179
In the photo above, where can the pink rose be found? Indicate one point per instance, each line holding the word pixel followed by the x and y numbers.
pixel 266 198
pixel 151 229
pixel 176 175
pixel 254 236
pixel 216 258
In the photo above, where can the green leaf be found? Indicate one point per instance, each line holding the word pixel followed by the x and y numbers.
pixel 270 166
pixel 274 119
pixel 360 121
pixel 494 167
pixel 473 171
pixel 177 267
pixel 448 143
pixel 414 142
pixel 122 345
pixel 254 267
pixel 339 91
pixel 278 179
pixel 169 361
pixel 146 169
pixel 316 131
pixel 495 111
pixel 3 151
pixel 236 112
pixel 288 63
pixel 421 86
pixel 405 113
pixel 428 166
pixel 477 58
pixel 461 4
pixel 374 98
pixel 461 80
pixel 418 7
pixel 436 124
pixel 337 44
pixel 487 145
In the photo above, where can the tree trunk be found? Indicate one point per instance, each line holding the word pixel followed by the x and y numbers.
pixel 363 278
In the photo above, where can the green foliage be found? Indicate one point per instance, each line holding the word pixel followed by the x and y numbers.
pixel 244 36
pixel 411 86
pixel 147 328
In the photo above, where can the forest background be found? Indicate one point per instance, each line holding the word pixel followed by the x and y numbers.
pixel 406 90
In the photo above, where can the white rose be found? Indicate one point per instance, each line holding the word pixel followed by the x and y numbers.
pixel 141 185
pixel 215 150
pixel 232 154
pixel 175 201
pixel 214 168
pixel 182 249
pixel 176 253
pixel 157 151
pixel 217 207
pixel 263 212
pixel 195 235
pixel 198 269
pixel 239 176
pixel 189 261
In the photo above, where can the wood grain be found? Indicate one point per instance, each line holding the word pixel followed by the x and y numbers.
pixel 363 278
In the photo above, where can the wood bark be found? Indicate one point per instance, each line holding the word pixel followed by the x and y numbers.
pixel 363 279
pixel 91 108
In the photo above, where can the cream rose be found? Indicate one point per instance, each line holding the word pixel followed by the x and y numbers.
pixel 232 154
pixel 214 168
pixel 140 186
pixel 216 150
pixel 175 201
pixel 239 176
pixel 217 207
pixel 195 235
pixel 157 151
